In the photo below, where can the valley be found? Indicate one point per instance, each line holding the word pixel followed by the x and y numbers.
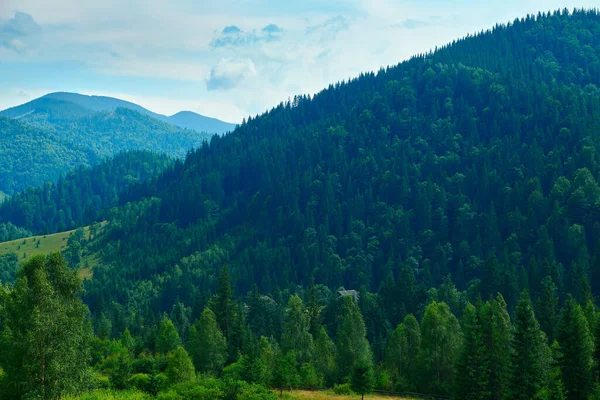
pixel 430 227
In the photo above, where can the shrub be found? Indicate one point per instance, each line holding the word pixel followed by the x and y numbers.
pixel 343 389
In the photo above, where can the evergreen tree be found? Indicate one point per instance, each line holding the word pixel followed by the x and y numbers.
pixel 286 373
pixel 497 332
pixel 361 378
pixel 547 307
pixel 441 339
pixel 576 351
pixel 472 371
pixel 44 341
pixel 207 344
pixel 351 340
pixel 531 356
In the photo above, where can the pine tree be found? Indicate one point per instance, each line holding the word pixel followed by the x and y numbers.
pixel 576 351
pixel 362 379
pixel 472 372
pixel 497 332
pixel 547 307
pixel 207 344
pixel 531 355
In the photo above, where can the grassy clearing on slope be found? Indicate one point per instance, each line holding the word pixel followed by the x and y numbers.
pixel 44 244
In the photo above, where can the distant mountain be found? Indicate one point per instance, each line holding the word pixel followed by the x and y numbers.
pixel 35 149
pixel 61 106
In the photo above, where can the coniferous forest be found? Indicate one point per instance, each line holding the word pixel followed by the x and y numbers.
pixel 432 227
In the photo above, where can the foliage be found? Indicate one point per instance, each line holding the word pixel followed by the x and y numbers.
pixel 44 340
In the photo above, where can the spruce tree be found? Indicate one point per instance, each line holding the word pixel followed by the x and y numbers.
pixel 362 379
pixel 472 371
pixel 576 351
pixel 207 345
pixel 531 355
pixel 497 332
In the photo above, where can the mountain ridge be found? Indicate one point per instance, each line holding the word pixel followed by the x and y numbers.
pixel 61 105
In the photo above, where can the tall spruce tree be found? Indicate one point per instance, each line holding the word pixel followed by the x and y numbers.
pixel 497 333
pixel 472 370
pixel 576 351
pixel 531 355
pixel 207 345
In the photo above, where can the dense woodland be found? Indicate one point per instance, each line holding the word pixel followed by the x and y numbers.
pixel 431 227
pixel 81 197
pixel 41 149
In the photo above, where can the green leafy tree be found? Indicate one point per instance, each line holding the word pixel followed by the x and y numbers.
pixel 180 367
pixel 531 355
pixel 207 344
pixel 576 351
pixel 441 339
pixel 324 357
pixel 402 351
pixel 351 340
pixel 168 337
pixel 362 379
pixel 286 372
pixel 296 331
pixel 44 340
pixel 121 371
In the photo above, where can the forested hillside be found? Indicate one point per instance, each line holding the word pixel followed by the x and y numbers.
pixel 431 227
pixel 81 197
pixel 32 154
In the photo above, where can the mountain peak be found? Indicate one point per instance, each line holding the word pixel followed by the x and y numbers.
pixel 66 105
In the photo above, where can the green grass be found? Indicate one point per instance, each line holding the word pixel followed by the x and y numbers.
pixel 28 247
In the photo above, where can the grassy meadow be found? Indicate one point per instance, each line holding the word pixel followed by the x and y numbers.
pixel 27 248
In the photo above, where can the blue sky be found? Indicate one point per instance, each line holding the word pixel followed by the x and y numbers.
pixel 226 59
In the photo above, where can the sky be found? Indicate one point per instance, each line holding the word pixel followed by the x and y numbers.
pixel 226 59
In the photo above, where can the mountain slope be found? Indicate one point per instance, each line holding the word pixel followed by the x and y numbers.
pixel 33 154
pixel 478 161
pixel 60 106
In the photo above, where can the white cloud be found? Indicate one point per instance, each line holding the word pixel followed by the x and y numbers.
pixel 242 57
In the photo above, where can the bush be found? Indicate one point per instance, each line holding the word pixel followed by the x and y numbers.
pixel 140 382
pixel 343 389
